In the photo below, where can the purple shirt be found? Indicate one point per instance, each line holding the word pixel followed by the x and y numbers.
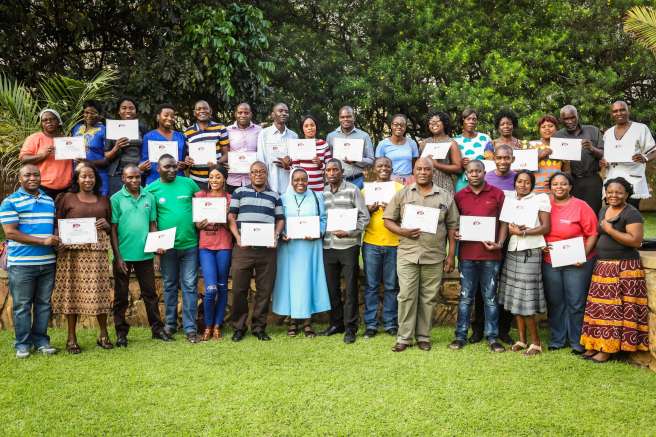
pixel 505 182
pixel 242 140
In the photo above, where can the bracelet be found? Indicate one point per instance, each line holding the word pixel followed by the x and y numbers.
pixel 524 234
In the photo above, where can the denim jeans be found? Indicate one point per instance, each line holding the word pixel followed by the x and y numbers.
pixel 475 274
pixel 180 266
pixel 31 286
pixel 380 265
pixel 216 266
pixel 566 291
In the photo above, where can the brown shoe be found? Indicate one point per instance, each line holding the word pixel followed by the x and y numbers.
pixel 400 347
pixel 424 345
pixel 207 333
pixel 217 334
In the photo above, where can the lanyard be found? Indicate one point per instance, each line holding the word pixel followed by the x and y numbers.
pixel 298 205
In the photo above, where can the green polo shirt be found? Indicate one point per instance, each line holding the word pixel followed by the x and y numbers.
pixel 174 209
pixel 132 217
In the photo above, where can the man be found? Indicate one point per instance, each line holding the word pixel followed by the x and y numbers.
pixel 272 148
pixel 503 178
pixel 134 214
pixel 28 221
pixel 379 250
pixel 639 137
pixel 255 203
pixel 587 182
pixel 341 250
pixel 179 265
pixel 480 261
pixel 206 130
pixel 422 256
pixel 352 170
pixel 243 135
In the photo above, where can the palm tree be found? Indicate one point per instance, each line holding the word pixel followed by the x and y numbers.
pixel 640 23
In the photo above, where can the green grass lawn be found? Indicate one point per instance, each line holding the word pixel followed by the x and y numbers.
pixel 650 224
pixel 299 386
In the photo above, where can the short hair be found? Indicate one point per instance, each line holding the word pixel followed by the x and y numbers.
pixel 202 101
pixel 567 176
pixel 395 116
pixel 618 102
pixel 444 118
pixel 92 104
pixel 242 104
pixel 129 166
pixel 503 147
pixel 24 166
pixel 382 158
pixel 259 163
pixel 120 101
pixel 308 117
pixel 346 108
pixel 505 113
pixel 477 162
pixel 273 108
pixel 164 106
pixel 623 182
pixel 570 108
pixel 75 186
pixel 530 175
pixel 335 161
pixel 466 113
pixel 166 156
pixel 547 118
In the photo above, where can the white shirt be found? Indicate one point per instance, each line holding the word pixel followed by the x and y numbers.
pixel 278 176
pixel 517 242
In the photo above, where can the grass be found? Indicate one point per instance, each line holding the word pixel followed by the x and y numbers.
pixel 299 386
pixel 650 224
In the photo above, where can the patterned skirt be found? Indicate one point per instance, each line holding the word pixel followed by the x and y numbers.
pixel 520 287
pixel 616 313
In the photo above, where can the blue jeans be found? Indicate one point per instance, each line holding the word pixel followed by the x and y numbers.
pixel 475 274
pixel 566 291
pixel 216 266
pixel 31 286
pixel 180 266
pixel 380 265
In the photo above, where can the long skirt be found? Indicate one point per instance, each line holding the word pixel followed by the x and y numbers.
pixel 616 312
pixel 520 287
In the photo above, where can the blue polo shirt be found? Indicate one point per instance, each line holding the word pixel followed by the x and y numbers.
pixel 34 215
pixel 153 174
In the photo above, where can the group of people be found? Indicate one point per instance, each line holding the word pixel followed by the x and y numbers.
pixel 597 307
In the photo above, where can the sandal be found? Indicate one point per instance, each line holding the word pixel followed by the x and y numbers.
pixel 207 333
pixel 292 331
pixel 518 346
pixel 73 348
pixel 104 343
pixel 596 361
pixel 533 350
pixel 217 333
pixel 309 332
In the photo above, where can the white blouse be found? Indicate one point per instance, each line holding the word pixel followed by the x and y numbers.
pixel 517 242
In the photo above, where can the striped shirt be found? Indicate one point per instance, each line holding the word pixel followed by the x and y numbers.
pixel 35 216
pixel 315 172
pixel 347 196
pixel 214 132
pixel 251 206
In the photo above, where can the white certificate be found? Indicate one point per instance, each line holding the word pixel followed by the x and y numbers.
pixel 160 240
pixel 381 192
pixel 567 252
pixel 346 149
pixel 489 165
pixel 240 162
pixel 302 227
pixel 568 149
pixel 69 148
pixel 525 160
pixel 420 217
pixel 78 230
pixel 302 150
pixel 212 209
pixel 203 152
pixel 476 228
pixel 257 234
pixel 277 150
pixel 619 151
pixel 342 219
pixel 519 213
pixel 436 150
pixel 117 129
pixel 158 148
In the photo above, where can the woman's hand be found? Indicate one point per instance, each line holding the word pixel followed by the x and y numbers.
pixel 103 225
pixel 202 225
pixel 144 166
pixel 605 226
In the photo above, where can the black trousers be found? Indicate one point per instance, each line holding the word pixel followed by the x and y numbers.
pixel 589 189
pixel 338 262
pixel 145 273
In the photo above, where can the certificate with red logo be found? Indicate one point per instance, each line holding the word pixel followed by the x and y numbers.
pixel 240 162
pixel 212 209
pixel 160 240
pixel 567 252
pixel 477 228
pixel 78 230
pixel 257 234
pixel 420 217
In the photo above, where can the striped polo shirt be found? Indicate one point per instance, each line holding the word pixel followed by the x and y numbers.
pixel 214 132
pixel 251 206
pixel 347 196
pixel 35 216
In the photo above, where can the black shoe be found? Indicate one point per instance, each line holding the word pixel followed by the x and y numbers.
pixel 121 341
pixel 238 335
pixel 476 337
pixel 262 336
pixel 349 337
pixel 457 345
pixel 192 338
pixel 162 335
pixel 370 333
pixel 577 352
pixel 392 331
pixel 332 330
pixel 168 331
pixel 497 347
pixel 555 348
pixel 506 338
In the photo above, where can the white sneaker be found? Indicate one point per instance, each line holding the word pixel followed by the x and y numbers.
pixel 22 353
pixel 47 350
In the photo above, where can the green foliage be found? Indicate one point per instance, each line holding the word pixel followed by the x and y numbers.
pixel 640 22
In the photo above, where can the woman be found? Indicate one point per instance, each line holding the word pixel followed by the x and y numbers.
pixel 215 250
pixel 520 287
pixel 547 126
pixel 82 278
pixel 566 287
pixel 439 129
pixel 314 167
pixel 472 144
pixel 301 292
pixel 616 314
pixel 39 149
pixel 93 132
pixel 119 153
pixel 505 122
pixel 401 150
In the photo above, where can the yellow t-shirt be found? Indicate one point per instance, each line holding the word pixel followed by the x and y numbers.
pixel 376 233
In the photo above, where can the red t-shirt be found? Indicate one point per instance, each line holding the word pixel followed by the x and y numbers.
pixel 215 236
pixel 572 219
pixel 487 203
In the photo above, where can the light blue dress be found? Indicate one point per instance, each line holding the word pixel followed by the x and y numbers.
pixel 300 289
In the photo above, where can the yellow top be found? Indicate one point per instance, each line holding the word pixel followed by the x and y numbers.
pixel 376 233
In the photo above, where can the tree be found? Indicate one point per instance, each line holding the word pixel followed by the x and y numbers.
pixel 640 22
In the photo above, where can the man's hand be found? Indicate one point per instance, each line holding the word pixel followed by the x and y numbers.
pixel 121 265
pixel 639 157
pixel 340 234
pixel 587 144
pixel 122 143
pixel 413 234
pixel 449 264
pixel 51 240
pixel 103 225
pixel 144 166
pixel 491 245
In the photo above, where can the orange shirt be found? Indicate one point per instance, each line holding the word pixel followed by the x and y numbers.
pixel 55 175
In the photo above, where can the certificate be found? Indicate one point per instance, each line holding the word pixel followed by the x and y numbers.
pixel 158 148
pixel 69 148
pixel 203 152
pixel 212 209
pixel 160 240
pixel 340 219
pixel 476 228
pixel 567 252
pixel 257 234
pixel 436 150
pixel 117 129
pixel 78 230
pixel 519 213
pixel 420 217
pixel 277 150
pixel 619 151
pixel 568 149
pixel 346 149
pixel 489 165
pixel 240 162
pixel 379 192
pixel 525 160
pixel 302 227
pixel 302 150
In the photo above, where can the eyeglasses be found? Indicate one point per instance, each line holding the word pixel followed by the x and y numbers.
pixel 258 172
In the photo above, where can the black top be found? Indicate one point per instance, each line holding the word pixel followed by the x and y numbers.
pixel 589 164
pixel 128 155
pixel 607 247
